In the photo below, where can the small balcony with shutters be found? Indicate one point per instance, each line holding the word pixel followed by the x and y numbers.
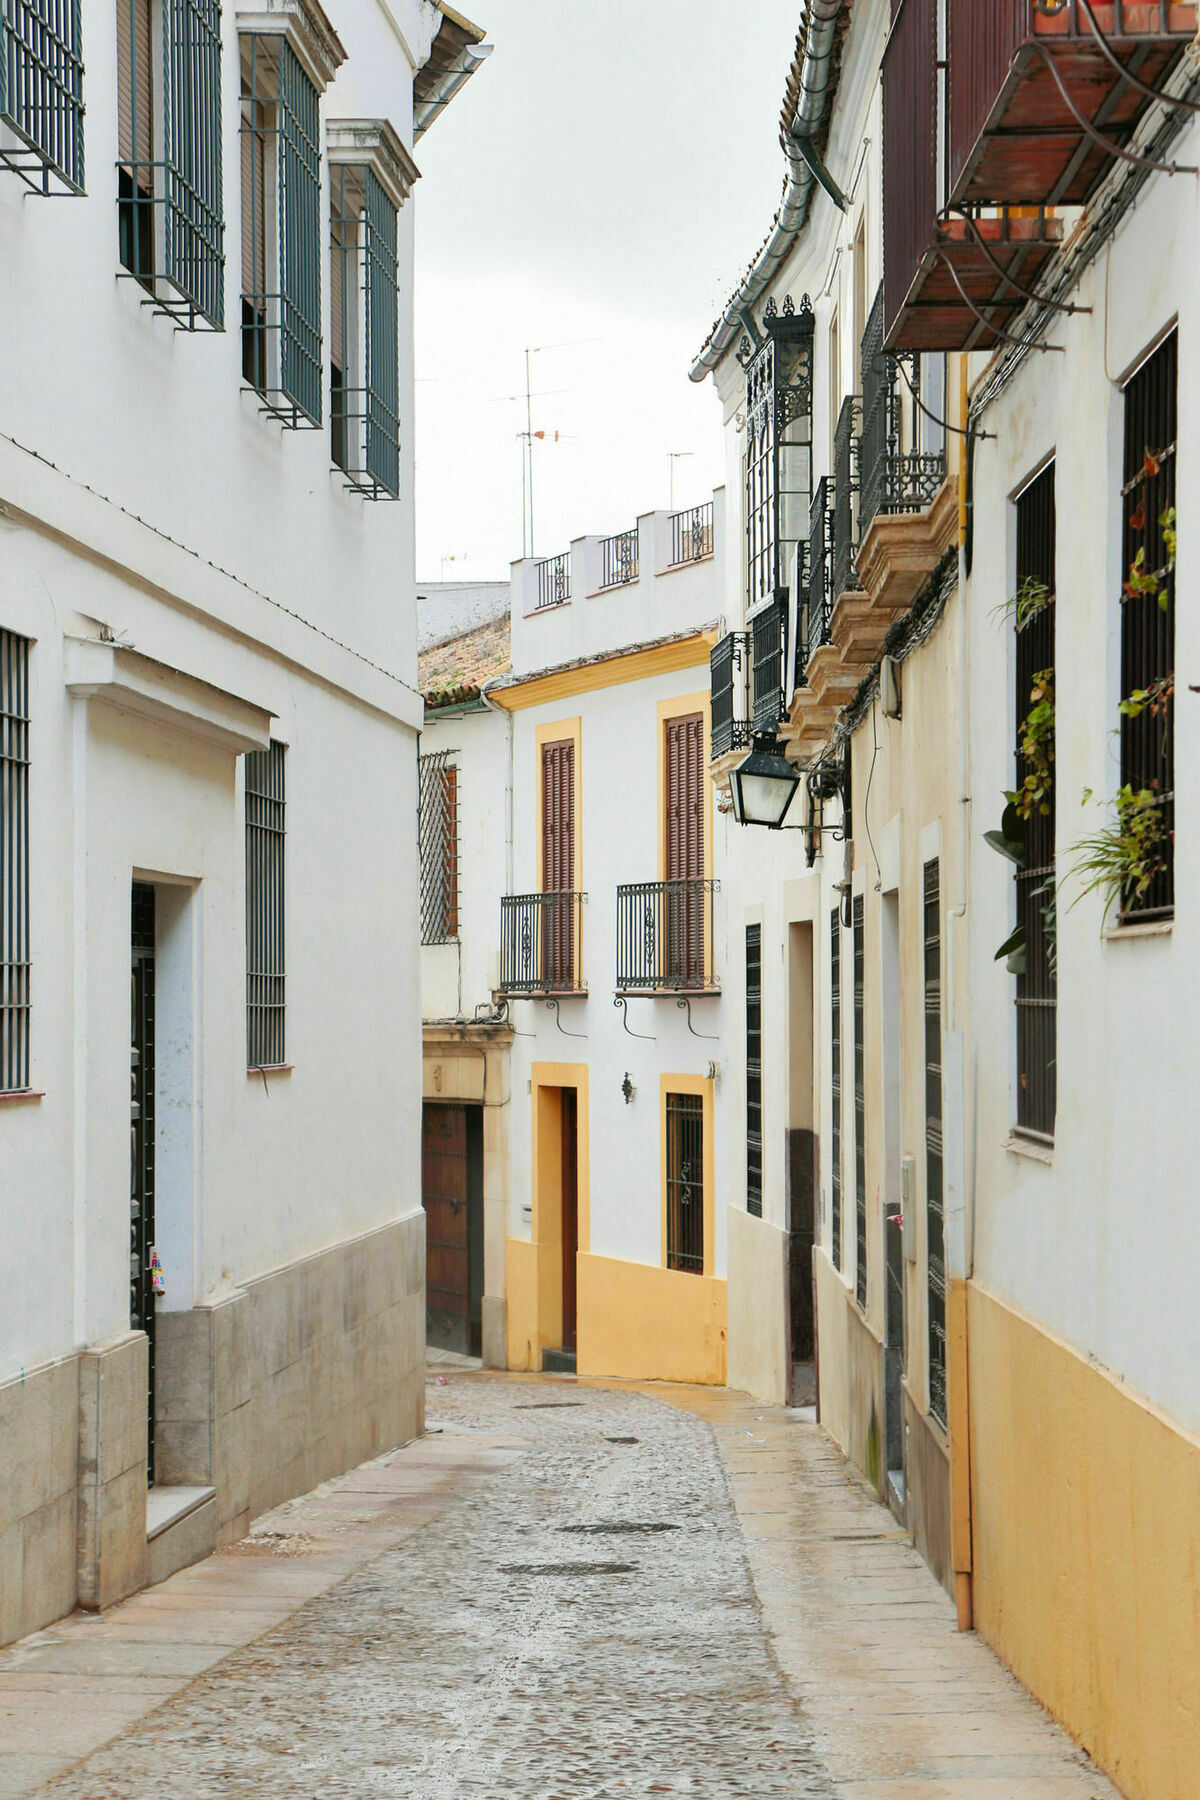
pixel 665 938
pixel 541 946
pixel 1039 101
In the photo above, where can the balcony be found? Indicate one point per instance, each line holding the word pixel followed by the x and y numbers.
pixel 1037 106
pixel 768 637
pixel 619 559
pixel 819 593
pixel 691 535
pixel 729 727
pixel 541 944
pixel 554 581
pixel 665 938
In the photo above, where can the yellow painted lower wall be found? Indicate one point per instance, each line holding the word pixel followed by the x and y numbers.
pixel 649 1324
pixel 521 1272
pixel 1086 1512
pixel 757 1302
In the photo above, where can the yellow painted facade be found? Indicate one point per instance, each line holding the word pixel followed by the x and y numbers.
pixel 640 1322
pixel 689 652
pixel 1086 1548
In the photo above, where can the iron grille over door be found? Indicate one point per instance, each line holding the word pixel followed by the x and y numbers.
pixel 835 1083
pixel 265 838
pixel 754 1070
pixel 1037 985
pixel 685 1183
pixel 1148 611
pixel 684 899
pixel 14 863
pixel 860 1107
pixel 558 864
pixel 142 1136
pixel 280 103
pixel 41 93
pixel 438 832
pixel 935 1252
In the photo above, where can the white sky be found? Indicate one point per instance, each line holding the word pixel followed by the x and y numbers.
pixel 599 185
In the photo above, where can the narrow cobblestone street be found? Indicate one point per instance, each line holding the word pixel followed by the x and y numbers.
pixel 565 1591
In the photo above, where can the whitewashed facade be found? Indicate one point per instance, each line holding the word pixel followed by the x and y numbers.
pixel 186 581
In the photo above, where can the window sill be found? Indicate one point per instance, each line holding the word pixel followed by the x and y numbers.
pixel 13 1096
pixel 667 993
pixel 1033 1148
pixel 1116 934
pixel 269 1069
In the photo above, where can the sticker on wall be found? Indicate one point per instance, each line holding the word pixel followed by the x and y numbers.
pixel 158 1283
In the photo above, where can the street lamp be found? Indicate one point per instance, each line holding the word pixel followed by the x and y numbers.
pixel 763 786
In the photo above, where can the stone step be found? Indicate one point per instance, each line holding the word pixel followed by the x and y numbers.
pixel 558 1362
pixel 181 1528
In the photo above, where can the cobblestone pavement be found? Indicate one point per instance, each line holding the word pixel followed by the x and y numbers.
pixel 580 1625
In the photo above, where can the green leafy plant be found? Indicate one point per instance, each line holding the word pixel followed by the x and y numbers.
pixel 1155 699
pixel 1037 748
pixel 1123 860
pixel 1023 607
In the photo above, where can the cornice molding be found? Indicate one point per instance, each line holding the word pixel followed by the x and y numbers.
pixel 304 24
pixel 373 144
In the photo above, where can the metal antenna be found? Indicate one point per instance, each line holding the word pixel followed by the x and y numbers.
pixel 673 456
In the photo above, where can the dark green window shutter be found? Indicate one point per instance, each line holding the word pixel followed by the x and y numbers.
pixel 193 227
pixel 299 236
pixel 382 334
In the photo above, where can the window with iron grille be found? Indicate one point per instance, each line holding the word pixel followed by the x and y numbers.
pixel 170 210
pixel 935 1238
pixel 14 863
pixel 778 454
pixel 1148 615
pixel 860 1107
pixel 685 1183
pixel 41 94
pixel 281 232
pixel 1037 982
pixel 438 825
pixel 364 327
pixel 835 1083
pixel 266 824
pixel 754 1070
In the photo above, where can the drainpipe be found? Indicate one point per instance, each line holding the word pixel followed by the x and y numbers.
pixel 804 168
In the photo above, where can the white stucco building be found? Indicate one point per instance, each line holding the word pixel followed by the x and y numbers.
pixel 211 1242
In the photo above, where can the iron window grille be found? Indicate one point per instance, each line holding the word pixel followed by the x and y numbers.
pixel 554 581
pixel 860 1105
pixel 364 369
pixel 15 972
pixel 281 233
pixel 894 475
pixel 729 728
pixel 692 534
pixel 438 835
pixel 819 594
pixel 846 440
pixel 1036 998
pixel 619 559
pixel 685 1183
pixel 935 1244
pixel 266 826
pixel 1148 610
pixel 665 938
pixel 170 208
pixel 768 637
pixel 835 1083
pixel 41 94
pixel 541 943
pixel 778 454
pixel 754 1199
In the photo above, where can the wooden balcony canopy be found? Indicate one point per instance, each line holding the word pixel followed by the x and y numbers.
pixel 1041 97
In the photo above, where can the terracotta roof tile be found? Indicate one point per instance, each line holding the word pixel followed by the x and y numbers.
pixel 452 674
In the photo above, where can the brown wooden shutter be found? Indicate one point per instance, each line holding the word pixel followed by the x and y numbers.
pixel 558 817
pixel 134 87
pixel 450 848
pixel 254 201
pixel 685 798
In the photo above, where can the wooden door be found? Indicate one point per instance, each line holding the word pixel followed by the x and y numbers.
pixel 685 850
pixel 570 1212
pixel 142 1304
pixel 444 1193
pixel 558 863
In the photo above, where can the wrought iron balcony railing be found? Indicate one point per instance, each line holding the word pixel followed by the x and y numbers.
pixel 845 495
pixel 893 478
pixel 665 937
pixel 541 943
pixel 619 559
pixel 820 591
pixel 692 534
pixel 729 726
pixel 554 580
pixel 768 635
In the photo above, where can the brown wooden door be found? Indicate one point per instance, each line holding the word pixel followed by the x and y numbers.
pixel 685 850
pixel 558 863
pixel 570 1212
pixel 444 1192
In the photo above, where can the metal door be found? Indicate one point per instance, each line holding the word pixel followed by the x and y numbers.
pixel 570 1212
pixel 141 1092
pixel 445 1193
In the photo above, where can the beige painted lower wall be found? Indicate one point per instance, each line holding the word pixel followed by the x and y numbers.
pixel 850 1372
pixel 757 1299
pixel 1086 1511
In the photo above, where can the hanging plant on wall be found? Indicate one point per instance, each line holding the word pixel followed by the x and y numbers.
pixel 1124 859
